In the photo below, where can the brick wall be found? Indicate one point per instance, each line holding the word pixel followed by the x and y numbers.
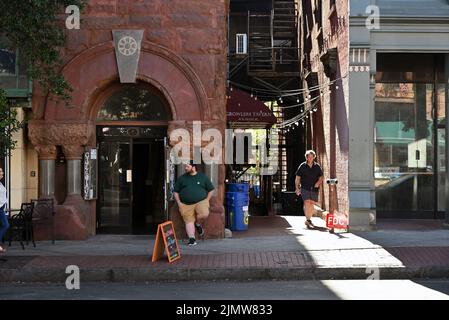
pixel 194 30
pixel 330 132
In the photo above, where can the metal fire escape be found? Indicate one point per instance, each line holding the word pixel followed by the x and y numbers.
pixel 272 42
pixel 273 62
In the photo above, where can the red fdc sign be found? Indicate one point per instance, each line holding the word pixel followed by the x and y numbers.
pixel 337 220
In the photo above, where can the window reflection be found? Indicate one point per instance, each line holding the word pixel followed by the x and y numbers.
pixel 134 102
pixel 404 155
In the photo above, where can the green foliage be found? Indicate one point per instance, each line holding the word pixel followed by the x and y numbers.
pixel 35 28
pixel 8 125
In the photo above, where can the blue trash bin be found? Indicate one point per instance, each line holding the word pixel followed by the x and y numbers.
pixel 237 204
pixel 238 187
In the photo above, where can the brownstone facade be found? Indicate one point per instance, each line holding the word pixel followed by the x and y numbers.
pixel 325 50
pixel 183 55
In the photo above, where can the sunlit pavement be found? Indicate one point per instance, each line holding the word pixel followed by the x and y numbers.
pixel 273 248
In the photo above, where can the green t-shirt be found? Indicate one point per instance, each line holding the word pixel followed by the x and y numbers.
pixel 193 189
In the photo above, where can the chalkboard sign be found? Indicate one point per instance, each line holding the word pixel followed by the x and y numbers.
pixel 166 238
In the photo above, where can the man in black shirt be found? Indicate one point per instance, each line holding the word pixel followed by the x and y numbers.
pixel 309 178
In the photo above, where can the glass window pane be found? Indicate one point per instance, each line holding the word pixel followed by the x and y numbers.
pixel 404 147
pixel 7 58
pixel 441 101
pixel 134 102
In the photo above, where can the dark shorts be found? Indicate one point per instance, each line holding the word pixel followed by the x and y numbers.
pixel 309 195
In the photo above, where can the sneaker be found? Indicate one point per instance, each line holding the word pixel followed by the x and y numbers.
pixel 192 242
pixel 309 224
pixel 199 229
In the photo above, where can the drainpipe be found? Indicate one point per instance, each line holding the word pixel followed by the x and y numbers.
pixel 446 189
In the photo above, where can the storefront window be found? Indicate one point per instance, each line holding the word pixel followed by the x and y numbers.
pixel 409 138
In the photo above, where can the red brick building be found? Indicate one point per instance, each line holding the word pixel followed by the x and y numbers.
pixel 324 45
pixel 180 70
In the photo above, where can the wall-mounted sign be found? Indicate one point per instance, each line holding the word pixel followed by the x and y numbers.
pixel 417 154
pixel 90 175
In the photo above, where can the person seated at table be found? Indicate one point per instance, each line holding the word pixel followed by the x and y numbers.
pixel 4 225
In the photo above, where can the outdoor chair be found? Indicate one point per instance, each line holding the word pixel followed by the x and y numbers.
pixel 44 213
pixel 27 209
pixel 17 227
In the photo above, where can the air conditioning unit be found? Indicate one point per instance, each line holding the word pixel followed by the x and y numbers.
pixel 241 43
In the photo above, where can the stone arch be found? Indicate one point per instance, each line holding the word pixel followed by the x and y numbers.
pixel 92 71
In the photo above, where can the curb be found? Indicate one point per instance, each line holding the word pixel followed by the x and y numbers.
pixel 212 274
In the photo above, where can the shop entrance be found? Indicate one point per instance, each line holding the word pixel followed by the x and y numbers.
pixel 132 121
pixel 131 166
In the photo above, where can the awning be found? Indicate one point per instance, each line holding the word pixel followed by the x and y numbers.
pixel 243 111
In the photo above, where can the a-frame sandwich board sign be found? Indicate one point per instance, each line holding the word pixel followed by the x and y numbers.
pixel 166 239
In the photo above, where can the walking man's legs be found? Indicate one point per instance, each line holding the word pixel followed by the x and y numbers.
pixel 188 215
pixel 308 209
pixel 190 229
pixel 202 212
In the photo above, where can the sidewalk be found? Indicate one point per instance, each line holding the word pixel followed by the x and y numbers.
pixel 273 248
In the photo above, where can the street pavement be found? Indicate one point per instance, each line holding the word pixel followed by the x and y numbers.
pixel 232 290
pixel 277 247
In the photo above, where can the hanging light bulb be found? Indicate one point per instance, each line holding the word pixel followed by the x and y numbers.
pixel 297 123
pixel 252 94
pixel 309 96
pixel 336 87
pixel 280 100
pixel 303 122
pixel 315 109
pixel 297 100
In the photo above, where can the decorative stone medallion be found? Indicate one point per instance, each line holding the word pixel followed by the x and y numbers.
pixel 127 45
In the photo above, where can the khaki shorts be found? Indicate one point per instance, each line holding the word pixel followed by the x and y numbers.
pixel 188 210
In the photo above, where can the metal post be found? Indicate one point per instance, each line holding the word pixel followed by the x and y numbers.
pixel 446 189
pixel 333 205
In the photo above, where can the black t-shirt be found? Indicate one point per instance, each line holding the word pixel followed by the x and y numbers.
pixel 309 175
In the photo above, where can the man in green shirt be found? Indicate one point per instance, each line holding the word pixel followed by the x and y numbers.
pixel 192 192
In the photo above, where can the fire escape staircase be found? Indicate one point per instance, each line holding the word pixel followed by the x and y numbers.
pixel 272 40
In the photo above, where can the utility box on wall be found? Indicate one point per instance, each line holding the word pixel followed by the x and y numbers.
pixel 90 175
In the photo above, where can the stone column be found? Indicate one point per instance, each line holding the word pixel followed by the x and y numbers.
pixel 73 154
pixel 361 138
pixel 47 157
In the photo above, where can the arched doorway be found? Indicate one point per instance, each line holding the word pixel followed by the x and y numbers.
pixel 131 131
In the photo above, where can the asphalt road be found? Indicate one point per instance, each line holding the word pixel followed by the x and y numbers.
pixel 435 289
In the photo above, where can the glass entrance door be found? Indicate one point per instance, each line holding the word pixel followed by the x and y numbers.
pixel 131 162
pixel 115 187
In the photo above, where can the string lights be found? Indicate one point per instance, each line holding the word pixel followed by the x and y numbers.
pixel 300 119
pixel 278 94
